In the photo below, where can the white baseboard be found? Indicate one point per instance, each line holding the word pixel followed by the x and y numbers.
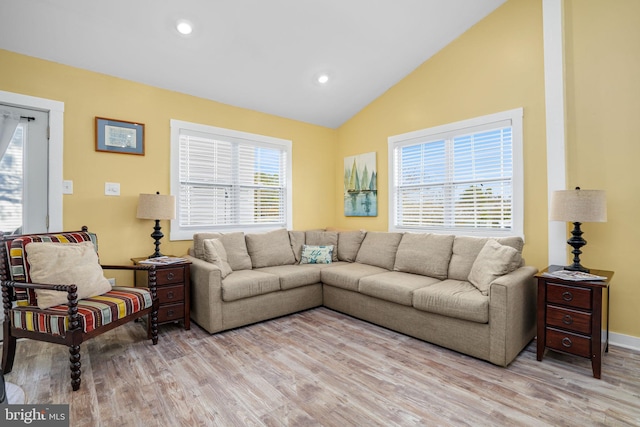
pixel 625 341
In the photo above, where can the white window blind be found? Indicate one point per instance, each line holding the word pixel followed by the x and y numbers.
pixel 462 178
pixel 228 180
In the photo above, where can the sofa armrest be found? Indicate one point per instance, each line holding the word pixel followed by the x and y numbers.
pixel 512 314
pixel 206 294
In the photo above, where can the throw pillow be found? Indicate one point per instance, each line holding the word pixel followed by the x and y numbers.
pixel 65 264
pixel 323 238
pixel 215 253
pixel 493 261
pixel 316 254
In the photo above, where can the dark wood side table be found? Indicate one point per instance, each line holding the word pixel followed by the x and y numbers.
pixel 573 316
pixel 174 286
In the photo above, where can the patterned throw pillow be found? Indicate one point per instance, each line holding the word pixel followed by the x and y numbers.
pixel 316 254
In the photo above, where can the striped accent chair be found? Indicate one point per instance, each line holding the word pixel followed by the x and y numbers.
pixel 75 321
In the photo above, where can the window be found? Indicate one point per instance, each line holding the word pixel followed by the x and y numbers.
pixel 460 178
pixel 225 180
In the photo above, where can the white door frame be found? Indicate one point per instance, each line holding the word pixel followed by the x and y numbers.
pixel 56 127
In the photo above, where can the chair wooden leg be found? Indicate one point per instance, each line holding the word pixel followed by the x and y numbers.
pixel 153 322
pixel 74 359
pixel 8 348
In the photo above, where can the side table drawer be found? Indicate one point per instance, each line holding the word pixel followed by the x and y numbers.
pixel 569 296
pixel 168 276
pixel 568 342
pixel 169 294
pixel 170 312
pixel 569 319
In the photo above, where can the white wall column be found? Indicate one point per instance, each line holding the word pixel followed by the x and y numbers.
pixel 553 32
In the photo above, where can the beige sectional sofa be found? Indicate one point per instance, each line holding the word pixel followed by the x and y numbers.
pixel 472 295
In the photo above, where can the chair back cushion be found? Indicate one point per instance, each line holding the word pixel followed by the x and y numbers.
pixel 19 266
pixel 65 264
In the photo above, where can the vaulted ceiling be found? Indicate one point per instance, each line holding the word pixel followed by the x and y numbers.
pixel 263 55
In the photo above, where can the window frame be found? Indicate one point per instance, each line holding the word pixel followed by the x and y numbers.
pixel 452 130
pixel 178 232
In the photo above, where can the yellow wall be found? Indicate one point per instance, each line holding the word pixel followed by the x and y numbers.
pixel 87 95
pixel 602 43
pixel 495 66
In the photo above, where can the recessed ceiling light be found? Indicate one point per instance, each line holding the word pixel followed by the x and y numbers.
pixel 184 27
pixel 323 78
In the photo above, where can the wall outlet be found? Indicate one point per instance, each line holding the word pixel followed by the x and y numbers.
pixel 112 280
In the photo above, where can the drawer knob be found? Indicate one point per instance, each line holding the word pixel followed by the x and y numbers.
pixel 567 296
pixel 566 342
pixel 567 319
pixel 171 312
pixel 170 276
pixel 170 296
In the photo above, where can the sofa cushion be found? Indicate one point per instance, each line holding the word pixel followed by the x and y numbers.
pixel 425 254
pixel 65 264
pixel 233 243
pixel 453 298
pixel 347 276
pixel 294 276
pixel 215 253
pixel 349 243
pixel 493 261
pixel 323 238
pixel 394 286
pixel 466 250
pixel 297 239
pixel 317 254
pixel 270 249
pixel 248 283
pixel 379 249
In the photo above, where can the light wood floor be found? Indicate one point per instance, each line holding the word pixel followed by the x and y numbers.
pixel 320 367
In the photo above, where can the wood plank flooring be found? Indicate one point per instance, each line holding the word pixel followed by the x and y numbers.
pixel 320 368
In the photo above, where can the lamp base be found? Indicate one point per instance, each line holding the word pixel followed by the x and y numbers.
pixel 157 235
pixel 576 241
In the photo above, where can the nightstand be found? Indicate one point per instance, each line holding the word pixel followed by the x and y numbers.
pixel 173 291
pixel 573 316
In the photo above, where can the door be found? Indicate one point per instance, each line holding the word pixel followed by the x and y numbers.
pixel 24 170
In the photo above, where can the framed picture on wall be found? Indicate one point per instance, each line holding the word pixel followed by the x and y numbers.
pixel 361 185
pixel 119 136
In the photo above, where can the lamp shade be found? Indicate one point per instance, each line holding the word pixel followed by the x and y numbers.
pixel 156 206
pixel 579 206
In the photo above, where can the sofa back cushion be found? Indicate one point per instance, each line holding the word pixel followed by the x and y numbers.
pixel 379 249
pixel 323 238
pixel 425 254
pixel 234 244
pixel 349 244
pixel 466 250
pixel 270 249
pixel 297 240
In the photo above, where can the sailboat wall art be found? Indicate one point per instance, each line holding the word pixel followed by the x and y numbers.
pixel 361 185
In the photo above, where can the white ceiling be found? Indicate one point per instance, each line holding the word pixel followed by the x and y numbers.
pixel 263 55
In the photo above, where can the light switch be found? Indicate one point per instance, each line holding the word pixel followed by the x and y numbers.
pixel 67 187
pixel 112 188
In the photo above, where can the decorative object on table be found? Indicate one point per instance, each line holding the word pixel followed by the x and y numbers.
pixel 361 185
pixel 157 207
pixel 162 260
pixel 578 206
pixel 119 136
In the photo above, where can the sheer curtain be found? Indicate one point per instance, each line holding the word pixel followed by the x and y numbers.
pixel 8 124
